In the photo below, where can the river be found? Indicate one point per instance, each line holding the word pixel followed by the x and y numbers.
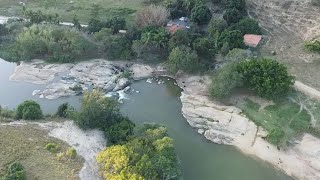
pixel 200 159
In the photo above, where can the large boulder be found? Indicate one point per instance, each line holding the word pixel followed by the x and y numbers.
pixel 122 83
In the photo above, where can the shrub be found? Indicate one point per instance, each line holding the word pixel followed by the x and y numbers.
pixel 313 46
pixel 247 26
pixel 276 136
pixel 62 110
pixel 315 2
pixel 7 113
pixel 232 16
pixel 183 58
pixel 201 14
pixel 233 38
pixel 152 16
pixel 224 81
pixel 120 131
pixel 57 43
pixel 236 54
pixel 29 110
pixel 97 111
pixel 116 46
pixel 52 147
pixel 204 47
pixel 3 30
pixel 71 153
pixel 14 171
pixel 266 77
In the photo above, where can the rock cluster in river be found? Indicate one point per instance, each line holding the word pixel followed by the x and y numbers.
pixel 71 79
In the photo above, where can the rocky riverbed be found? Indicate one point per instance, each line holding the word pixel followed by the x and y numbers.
pixel 218 123
pixel 72 79
pixel 227 125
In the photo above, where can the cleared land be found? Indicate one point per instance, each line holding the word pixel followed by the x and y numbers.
pixel 289 23
pixel 25 144
pixel 67 8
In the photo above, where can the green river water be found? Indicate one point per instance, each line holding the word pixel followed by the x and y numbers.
pixel 199 158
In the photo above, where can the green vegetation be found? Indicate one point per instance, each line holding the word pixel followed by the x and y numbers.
pixel 283 120
pixel 52 147
pixel 14 171
pixel 71 153
pixel 313 46
pixel 148 155
pixel 52 42
pixel 233 38
pixel 67 9
pixel 62 110
pixel 247 26
pixel 24 144
pixel 315 2
pixel 232 16
pixel 29 110
pixel 183 58
pixel 201 14
pixel 266 77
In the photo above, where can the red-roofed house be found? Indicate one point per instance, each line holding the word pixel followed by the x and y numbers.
pixel 174 28
pixel 252 40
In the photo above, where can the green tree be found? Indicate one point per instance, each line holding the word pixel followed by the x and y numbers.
pixel 204 47
pixel 29 110
pixel 183 58
pixel 181 37
pixel 233 38
pixel 217 25
pixel 116 23
pixel 76 22
pixel 62 110
pixel 120 132
pixel 201 14
pixel 266 77
pixel 232 16
pixel 276 136
pixel 313 46
pixel 14 171
pixel 97 111
pixel 237 4
pixel 224 81
pixel 247 26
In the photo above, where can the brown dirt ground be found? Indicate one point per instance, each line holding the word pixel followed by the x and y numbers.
pixel 289 23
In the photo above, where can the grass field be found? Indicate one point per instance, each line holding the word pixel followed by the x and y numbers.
pixel 66 9
pixel 293 116
pixel 25 144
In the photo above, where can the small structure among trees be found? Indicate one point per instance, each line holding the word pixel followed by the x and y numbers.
pixel 252 40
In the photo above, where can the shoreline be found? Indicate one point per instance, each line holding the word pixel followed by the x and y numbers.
pixel 219 123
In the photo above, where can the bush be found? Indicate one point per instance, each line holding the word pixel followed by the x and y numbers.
pixel 313 46
pixel 97 111
pixel 237 54
pixel 117 47
pixel 233 38
pixel 224 81
pixel 152 16
pixel 204 48
pixel 71 153
pixel 29 110
pixel 276 136
pixel 315 2
pixel 232 16
pixel 62 110
pixel 247 26
pixel 52 147
pixel 120 132
pixel 266 77
pixel 7 113
pixel 201 14
pixel 14 171
pixel 57 43
pixel 183 58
